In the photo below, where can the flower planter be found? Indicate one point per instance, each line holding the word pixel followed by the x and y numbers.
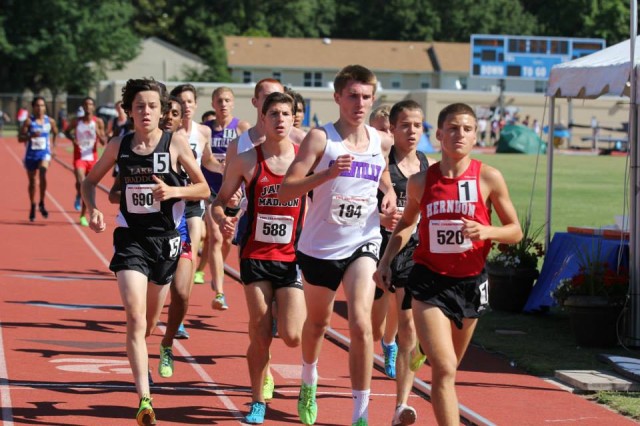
pixel 509 289
pixel 593 320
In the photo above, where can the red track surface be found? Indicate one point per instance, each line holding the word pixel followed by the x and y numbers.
pixel 63 360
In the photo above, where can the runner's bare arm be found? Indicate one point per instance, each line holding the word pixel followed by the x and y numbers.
pixel 299 180
pixel 233 178
pixel 493 184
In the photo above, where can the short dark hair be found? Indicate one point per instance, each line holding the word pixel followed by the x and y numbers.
pixel 277 98
pixel 206 113
pixel 36 99
pixel 396 109
pixel 179 102
pixel 176 91
pixel 134 86
pixel 455 109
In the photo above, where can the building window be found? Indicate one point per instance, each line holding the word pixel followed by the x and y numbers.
pixel 540 86
pixel 277 75
pixel 395 81
pixel 312 79
pixel 425 84
pixel 246 77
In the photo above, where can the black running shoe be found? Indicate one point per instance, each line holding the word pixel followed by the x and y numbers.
pixel 32 213
pixel 43 211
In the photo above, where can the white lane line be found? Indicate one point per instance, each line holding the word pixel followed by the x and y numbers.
pixel 208 380
pixel 192 361
pixel 5 393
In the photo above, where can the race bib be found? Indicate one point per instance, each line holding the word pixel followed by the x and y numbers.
pixel 140 199
pixel 484 293
pixel 38 143
pixel 349 210
pixel 174 247
pixel 274 229
pixel 86 150
pixel 445 236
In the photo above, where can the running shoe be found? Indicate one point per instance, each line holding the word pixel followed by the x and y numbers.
pixel 182 332
pixel 307 406
pixel 267 387
pixel 361 422
pixel 405 415
pixel 43 210
pixel 417 359
pixel 32 213
pixel 256 413
pixel 146 416
pixel 165 368
pixel 198 277
pixel 219 303
pixel 84 221
pixel 78 203
pixel 390 355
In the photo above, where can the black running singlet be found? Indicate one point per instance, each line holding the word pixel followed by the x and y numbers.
pixel 138 209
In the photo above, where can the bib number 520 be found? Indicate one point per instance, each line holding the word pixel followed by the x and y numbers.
pixel 450 236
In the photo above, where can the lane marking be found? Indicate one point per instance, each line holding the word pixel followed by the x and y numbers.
pixel 63 278
pixel 74 307
pixel 5 393
pixel 182 350
pixel 210 383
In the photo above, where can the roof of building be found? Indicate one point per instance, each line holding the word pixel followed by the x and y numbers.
pixel 333 54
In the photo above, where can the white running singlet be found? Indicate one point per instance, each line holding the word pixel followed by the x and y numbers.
pixel 343 212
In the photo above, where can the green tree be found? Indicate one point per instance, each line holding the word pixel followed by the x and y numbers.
pixel 63 45
pixel 608 19
pixel 386 20
pixel 462 18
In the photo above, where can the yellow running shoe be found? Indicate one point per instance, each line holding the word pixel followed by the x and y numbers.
pixel 417 359
pixel 267 387
pixel 146 416
pixel 165 368
pixel 84 221
pixel 198 277
pixel 307 405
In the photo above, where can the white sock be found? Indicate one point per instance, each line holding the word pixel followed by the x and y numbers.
pixel 360 404
pixel 310 373
pixel 388 344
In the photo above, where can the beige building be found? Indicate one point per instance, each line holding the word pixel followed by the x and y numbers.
pixel 434 74
pixel 160 60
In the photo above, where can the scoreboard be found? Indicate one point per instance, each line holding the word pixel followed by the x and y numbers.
pixel 525 57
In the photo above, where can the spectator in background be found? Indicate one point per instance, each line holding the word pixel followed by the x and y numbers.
pixel 482 130
pixel 4 117
pixel 63 120
pixel 495 129
pixel 536 126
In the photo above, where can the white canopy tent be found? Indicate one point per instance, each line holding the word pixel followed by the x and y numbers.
pixel 607 72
